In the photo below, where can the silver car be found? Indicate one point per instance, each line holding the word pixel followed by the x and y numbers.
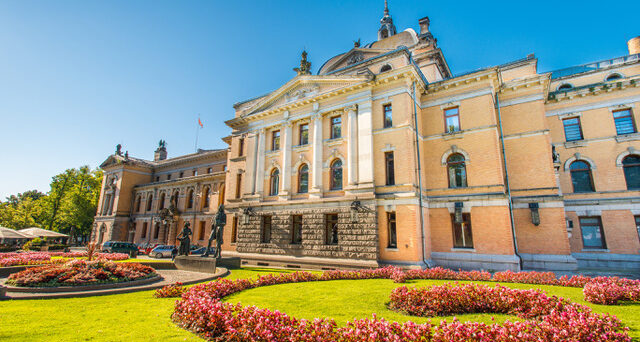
pixel 162 251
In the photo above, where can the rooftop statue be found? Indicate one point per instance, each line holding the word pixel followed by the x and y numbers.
pixel 305 66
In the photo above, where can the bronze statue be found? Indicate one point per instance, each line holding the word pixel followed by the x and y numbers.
pixel 305 66
pixel 217 231
pixel 185 241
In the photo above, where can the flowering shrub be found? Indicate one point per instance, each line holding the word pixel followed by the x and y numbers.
pixel 440 273
pixel 169 291
pixel 610 291
pixel 550 318
pixel 44 258
pixel 80 272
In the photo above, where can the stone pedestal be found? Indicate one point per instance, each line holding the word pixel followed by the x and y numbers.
pixel 196 264
pixel 3 291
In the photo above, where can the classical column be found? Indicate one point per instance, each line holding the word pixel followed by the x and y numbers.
pixel 259 180
pixel 365 146
pixel 352 144
pixel 316 171
pixel 250 164
pixel 286 160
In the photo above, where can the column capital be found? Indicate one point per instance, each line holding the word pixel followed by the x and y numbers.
pixel 316 116
pixel 352 108
pixel 287 124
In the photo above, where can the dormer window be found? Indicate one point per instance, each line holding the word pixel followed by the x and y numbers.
pixel 565 86
pixel 613 77
pixel 385 67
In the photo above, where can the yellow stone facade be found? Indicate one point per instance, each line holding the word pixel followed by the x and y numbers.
pixel 385 157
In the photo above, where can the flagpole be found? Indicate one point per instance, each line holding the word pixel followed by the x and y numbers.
pixel 197 131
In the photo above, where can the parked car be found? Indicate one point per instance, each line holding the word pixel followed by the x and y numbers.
pixel 198 250
pixel 124 247
pixel 150 246
pixel 106 246
pixel 142 248
pixel 162 251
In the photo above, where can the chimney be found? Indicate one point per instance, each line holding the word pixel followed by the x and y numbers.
pixel 424 25
pixel 634 45
pixel 161 152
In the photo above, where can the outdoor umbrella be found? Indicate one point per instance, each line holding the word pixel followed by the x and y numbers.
pixel 8 233
pixel 39 232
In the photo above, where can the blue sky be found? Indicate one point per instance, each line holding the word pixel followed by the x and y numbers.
pixel 79 77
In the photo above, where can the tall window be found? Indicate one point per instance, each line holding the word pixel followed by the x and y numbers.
pixel 457 171
pixel 190 199
pixel 391 228
pixel 304 134
pixel 209 170
pixel 388 120
pixel 169 177
pixel 265 236
pixel 138 200
pixel 451 120
pixel 462 237
pixel 631 165
pixel 149 201
pixel 581 176
pixel 195 172
pixel 202 228
pixel 336 175
pixel 389 169
pixel 303 179
pixel 181 174
pixel 572 129
pixel 331 229
pixel 156 232
pixel 145 225
pixel 205 195
pixel 637 219
pixel 234 230
pixel 296 229
pixel 174 198
pixel 275 182
pixel 240 147
pixel 275 140
pixel 624 121
pixel 238 185
pixel 336 127
pixel 592 234
pixel 161 202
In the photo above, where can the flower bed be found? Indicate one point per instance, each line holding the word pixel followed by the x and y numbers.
pixel 80 272
pixel 201 310
pixel 44 258
pixel 170 291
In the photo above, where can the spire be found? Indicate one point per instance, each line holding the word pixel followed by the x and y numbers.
pixel 387 28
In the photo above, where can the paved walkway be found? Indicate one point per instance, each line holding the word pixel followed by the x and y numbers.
pixel 169 277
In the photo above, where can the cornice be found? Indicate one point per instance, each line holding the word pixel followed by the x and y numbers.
pixel 181 181
pixel 593 90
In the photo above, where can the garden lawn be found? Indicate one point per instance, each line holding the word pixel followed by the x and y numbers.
pixel 140 317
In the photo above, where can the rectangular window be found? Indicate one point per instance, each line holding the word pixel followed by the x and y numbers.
pixel 181 174
pixel 209 170
pixel 144 230
pixel 238 185
pixel 387 112
pixel 336 127
pixel 202 228
pixel 331 229
pixel 451 120
pixel 169 177
pixel 156 231
pixel 637 218
pixel 275 140
pixel 304 134
pixel 390 174
pixel 462 237
pixel 195 172
pixel 624 121
pixel 592 234
pixel 391 228
pixel 296 229
pixel 572 129
pixel 265 236
pixel 240 147
pixel 157 178
pixel 234 230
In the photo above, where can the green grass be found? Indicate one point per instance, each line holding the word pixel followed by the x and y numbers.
pixel 140 317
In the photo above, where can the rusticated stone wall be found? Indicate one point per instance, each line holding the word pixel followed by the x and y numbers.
pixel 356 240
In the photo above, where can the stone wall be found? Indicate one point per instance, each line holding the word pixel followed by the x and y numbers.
pixel 356 240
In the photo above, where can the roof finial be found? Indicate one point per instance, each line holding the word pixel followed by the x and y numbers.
pixel 387 29
pixel 386 8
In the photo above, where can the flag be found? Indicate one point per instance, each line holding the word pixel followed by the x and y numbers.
pixel 200 123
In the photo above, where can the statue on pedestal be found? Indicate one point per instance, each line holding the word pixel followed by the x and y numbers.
pixel 217 231
pixel 185 241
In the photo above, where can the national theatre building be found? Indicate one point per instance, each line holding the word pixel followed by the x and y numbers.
pixel 385 156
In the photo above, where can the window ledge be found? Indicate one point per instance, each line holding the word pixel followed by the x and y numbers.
pixel 304 147
pixel 334 141
pixel 392 249
pixel 461 249
pixel 575 143
pixel 453 135
pixel 272 152
pixel 237 159
pixel 628 137
pixel 600 250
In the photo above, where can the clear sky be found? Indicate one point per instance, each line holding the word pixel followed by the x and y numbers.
pixel 79 77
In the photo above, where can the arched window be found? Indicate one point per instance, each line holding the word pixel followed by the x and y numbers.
pixel 138 200
pixel 205 193
pixel 631 165
pixel 275 182
pixel 174 198
pixel 161 203
pixel 190 199
pixel 385 67
pixel 581 176
pixel 303 179
pixel 457 171
pixel 565 86
pixel 613 77
pixel 336 175
pixel 149 201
